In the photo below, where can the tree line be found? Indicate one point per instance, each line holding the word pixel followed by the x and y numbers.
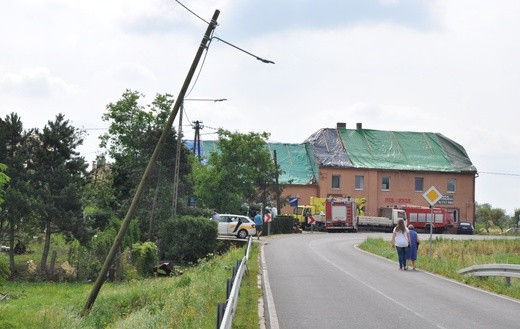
pixel 46 186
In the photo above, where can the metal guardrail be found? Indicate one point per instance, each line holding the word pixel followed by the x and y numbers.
pixel 506 270
pixel 226 310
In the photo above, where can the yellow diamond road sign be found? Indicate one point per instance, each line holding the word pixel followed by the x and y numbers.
pixel 432 195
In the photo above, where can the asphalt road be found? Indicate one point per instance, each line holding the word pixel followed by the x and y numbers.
pixel 321 280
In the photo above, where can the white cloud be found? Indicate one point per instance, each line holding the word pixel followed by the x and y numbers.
pixel 449 67
pixel 36 82
pixel 132 72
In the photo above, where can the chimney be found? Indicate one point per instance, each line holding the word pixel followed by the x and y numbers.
pixel 341 125
pixel 359 126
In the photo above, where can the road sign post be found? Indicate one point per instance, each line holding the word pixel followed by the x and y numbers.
pixel 432 196
pixel 267 219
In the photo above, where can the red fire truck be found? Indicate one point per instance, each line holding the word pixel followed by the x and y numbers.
pixel 340 215
pixel 421 218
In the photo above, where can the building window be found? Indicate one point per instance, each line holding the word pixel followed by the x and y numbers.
pixel 335 181
pixel 385 183
pixel 360 183
pixel 452 185
pixel 419 184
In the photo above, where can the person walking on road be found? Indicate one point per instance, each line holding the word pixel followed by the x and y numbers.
pixel 411 254
pixel 258 224
pixel 401 241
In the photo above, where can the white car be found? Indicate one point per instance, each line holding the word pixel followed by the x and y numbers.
pixel 236 225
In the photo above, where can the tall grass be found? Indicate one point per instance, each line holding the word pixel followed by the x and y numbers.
pixel 448 256
pixel 186 301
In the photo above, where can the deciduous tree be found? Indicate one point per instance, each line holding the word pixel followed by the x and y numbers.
pixel 131 139
pixel 489 216
pixel 237 173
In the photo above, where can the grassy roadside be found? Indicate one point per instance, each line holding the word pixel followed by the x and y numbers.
pixel 449 256
pixel 186 301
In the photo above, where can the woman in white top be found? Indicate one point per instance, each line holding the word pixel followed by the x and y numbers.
pixel 401 241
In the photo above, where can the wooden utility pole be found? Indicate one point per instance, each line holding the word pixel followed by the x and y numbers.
pixel 177 166
pixel 277 184
pixel 140 189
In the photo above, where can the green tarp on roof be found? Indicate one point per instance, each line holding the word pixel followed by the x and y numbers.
pixel 364 148
pixel 295 163
pixel 294 160
pixel 394 150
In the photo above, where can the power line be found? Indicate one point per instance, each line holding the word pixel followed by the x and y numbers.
pixel 498 173
pixel 200 70
pixel 236 47
pixel 205 99
pixel 192 12
pixel 226 42
pixel 206 47
pixel 211 128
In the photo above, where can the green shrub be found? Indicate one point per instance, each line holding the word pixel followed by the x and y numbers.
pixel 132 235
pixel 145 257
pixel 129 270
pixel 187 238
pixel 281 225
pixel 87 267
pixel 102 242
pixel 98 217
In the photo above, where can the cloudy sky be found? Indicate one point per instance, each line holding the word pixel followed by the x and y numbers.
pixel 446 66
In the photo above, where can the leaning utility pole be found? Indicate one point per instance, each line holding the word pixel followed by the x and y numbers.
pixel 140 189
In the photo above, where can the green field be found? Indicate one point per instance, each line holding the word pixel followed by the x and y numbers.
pixel 448 256
pixel 185 301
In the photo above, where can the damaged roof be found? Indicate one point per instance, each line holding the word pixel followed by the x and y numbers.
pixel 364 148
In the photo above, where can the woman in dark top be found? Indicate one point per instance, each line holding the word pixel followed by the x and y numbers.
pixel 411 253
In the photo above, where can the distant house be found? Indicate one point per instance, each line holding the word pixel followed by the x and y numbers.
pixel 387 168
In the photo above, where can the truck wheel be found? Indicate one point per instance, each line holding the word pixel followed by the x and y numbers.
pixel 427 228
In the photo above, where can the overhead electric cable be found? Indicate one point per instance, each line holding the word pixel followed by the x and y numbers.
pixel 186 115
pixel 191 11
pixel 206 100
pixel 201 66
pixel 497 173
pixel 232 45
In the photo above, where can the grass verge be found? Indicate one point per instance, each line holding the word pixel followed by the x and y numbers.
pixel 448 256
pixel 186 301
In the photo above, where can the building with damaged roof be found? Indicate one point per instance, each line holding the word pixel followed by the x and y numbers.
pixel 387 168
